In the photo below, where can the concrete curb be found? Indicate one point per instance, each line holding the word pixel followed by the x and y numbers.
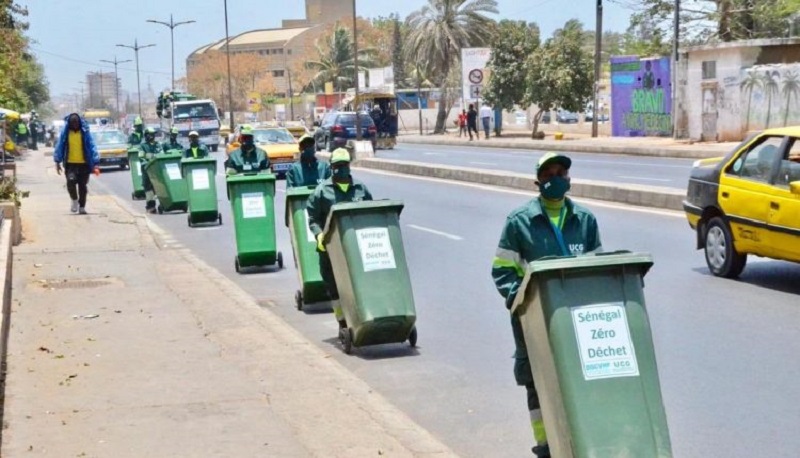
pixel 573 147
pixel 647 196
pixel 6 263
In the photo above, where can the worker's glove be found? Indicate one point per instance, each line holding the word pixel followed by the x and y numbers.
pixel 320 245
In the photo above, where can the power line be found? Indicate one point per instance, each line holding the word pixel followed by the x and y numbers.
pixel 94 65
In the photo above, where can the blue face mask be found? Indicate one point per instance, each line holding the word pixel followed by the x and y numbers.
pixel 555 188
pixel 342 172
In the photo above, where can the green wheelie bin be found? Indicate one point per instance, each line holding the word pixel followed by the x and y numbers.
pixel 365 245
pixel 252 199
pixel 135 164
pixel 591 350
pixel 201 183
pixel 164 171
pixel 304 248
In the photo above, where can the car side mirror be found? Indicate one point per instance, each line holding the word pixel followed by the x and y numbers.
pixel 794 187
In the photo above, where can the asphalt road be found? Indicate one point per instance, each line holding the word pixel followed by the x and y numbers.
pixel 727 350
pixel 666 172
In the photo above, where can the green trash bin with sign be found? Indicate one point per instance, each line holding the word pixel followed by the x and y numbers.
pixel 135 165
pixel 304 248
pixel 252 199
pixel 164 171
pixel 200 175
pixel 365 245
pixel 591 350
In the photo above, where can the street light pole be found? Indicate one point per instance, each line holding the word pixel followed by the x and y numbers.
pixel 288 74
pixel 171 24
pixel 355 70
pixel 228 55
pixel 136 49
pixel 116 76
pixel 598 45
pixel 675 57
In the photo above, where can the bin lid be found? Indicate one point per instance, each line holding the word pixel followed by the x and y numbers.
pixel 169 156
pixel 250 178
pixel 364 206
pixel 201 160
pixel 591 261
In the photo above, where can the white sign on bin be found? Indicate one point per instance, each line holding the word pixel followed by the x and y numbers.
pixel 309 234
pixel 253 205
pixel 375 248
pixel 604 341
pixel 173 171
pixel 200 179
pixel 139 167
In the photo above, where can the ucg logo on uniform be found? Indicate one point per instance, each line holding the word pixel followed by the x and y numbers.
pixel 576 248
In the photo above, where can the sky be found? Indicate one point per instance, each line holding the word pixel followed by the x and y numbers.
pixel 70 37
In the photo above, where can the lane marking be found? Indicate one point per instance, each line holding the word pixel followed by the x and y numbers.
pixel 434 154
pixel 483 163
pixel 644 178
pixel 435 232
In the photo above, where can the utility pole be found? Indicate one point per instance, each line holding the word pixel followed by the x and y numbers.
pixel 228 55
pixel 355 70
pixel 675 58
pixel 116 76
pixel 172 24
pixel 598 45
pixel 136 49
pixel 288 75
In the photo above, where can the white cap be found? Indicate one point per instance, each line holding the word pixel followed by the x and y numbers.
pixel 194 134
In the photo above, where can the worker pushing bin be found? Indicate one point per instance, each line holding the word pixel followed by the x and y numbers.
pixel 366 250
pixel 200 175
pixel 135 164
pixel 252 199
pixel 588 336
pixel 168 183
pixel 304 247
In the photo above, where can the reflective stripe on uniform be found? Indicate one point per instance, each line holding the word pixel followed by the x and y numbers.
pixel 507 258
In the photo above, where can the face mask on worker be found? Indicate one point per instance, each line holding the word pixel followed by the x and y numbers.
pixel 555 188
pixel 173 138
pixel 149 138
pixel 248 141
pixel 308 153
pixel 341 173
pixel 194 141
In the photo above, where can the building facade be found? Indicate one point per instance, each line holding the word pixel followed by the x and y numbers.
pixel 102 89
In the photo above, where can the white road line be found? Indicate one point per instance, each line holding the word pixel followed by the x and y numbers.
pixel 434 231
pixel 483 163
pixel 644 178
pixel 434 154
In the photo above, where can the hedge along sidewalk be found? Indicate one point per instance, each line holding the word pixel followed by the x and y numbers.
pixel 646 196
pixel 639 146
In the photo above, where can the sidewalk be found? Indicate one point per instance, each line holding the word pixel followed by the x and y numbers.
pixel 577 143
pixel 121 346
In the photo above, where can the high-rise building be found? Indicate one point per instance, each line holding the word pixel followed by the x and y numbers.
pixel 102 89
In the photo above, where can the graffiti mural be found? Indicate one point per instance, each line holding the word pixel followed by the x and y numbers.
pixel 641 97
pixel 770 96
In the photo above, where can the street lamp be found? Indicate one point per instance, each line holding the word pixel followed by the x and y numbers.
pixel 355 62
pixel 136 49
pixel 598 45
pixel 116 75
pixel 171 24
pixel 228 56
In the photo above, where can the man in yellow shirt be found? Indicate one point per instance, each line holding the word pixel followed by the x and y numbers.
pixel 77 153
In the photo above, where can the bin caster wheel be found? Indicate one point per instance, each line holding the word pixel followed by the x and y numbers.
pixel 185 208
pixel 219 218
pixel 280 260
pixel 237 266
pixel 298 299
pixel 346 336
pixel 189 220
pixel 412 338
pixel 160 209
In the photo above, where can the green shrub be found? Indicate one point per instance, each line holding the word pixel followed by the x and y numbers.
pixel 10 192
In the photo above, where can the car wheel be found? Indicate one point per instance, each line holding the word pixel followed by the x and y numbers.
pixel 721 256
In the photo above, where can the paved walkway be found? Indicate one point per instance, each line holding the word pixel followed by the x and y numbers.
pixel 124 346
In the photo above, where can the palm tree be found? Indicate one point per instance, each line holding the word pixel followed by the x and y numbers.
pixel 771 89
pixel 439 30
pixel 752 81
pixel 791 87
pixel 335 62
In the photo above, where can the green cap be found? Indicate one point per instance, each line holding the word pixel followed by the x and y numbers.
pixel 246 130
pixel 340 155
pixel 306 139
pixel 174 130
pixel 553 158
pixel 137 121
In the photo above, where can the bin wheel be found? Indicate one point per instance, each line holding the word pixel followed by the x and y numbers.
pixel 160 209
pixel 186 208
pixel 189 220
pixel 237 266
pixel 280 260
pixel 133 196
pixel 219 218
pixel 412 338
pixel 298 299
pixel 347 340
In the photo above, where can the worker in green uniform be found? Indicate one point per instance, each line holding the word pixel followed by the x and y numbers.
pixel 172 142
pixel 340 187
pixel 308 171
pixel 135 138
pixel 549 225
pixel 22 133
pixel 196 150
pixel 147 152
pixel 247 157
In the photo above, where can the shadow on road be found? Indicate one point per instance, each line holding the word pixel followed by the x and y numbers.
pixel 774 275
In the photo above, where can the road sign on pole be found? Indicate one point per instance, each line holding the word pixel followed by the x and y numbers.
pixel 473 71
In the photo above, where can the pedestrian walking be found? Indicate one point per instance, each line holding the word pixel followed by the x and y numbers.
pixel 486 119
pixel 77 153
pixel 472 122
pixel 341 187
pixel 548 225
pixel 462 123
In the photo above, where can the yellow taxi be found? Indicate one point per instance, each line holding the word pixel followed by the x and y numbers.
pixel 748 202
pixel 280 145
pixel 297 128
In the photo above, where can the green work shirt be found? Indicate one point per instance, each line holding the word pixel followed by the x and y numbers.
pixel 305 173
pixel 196 152
pixel 135 138
pixel 148 151
pixel 242 161
pixel 529 235
pixel 22 129
pixel 169 145
pixel 328 193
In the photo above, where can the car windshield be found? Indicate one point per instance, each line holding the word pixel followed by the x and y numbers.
pixel 349 120
pixel 109 137
pixel 272 136
pixel 195 110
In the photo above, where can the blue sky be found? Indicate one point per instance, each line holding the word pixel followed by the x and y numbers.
pixel 71 37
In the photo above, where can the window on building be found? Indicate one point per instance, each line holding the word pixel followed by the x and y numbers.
pixel 288 51
pixel 710 70
pixel 277 73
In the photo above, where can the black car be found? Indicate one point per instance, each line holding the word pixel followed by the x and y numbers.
pixel 339 127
